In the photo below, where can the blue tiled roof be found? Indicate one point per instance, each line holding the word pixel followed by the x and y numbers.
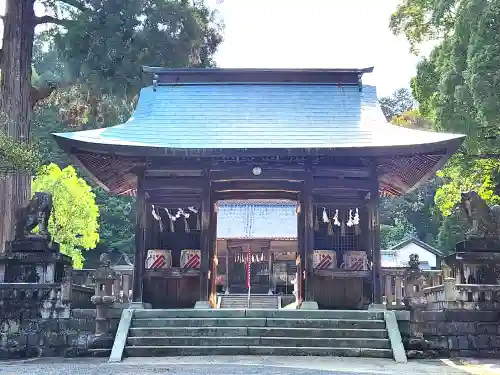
pixel 247 116
pixel 238 219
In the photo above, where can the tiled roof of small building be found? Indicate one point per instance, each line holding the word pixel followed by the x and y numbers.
pixel 265 220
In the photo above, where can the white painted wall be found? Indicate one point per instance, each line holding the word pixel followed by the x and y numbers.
pixel 403 254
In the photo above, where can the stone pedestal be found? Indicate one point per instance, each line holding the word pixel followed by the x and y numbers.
pixel 34 260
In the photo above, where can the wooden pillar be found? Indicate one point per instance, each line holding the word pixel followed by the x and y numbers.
pixel 375 237
pixel 205 235
pixel 214 258
pixel 300 250
pixel 140 239
pixel 308 236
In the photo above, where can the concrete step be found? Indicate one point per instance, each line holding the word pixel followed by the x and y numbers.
pixel 257 332
pixel 159 351
pixel 260 341
pixel 258 322
pixel 258 313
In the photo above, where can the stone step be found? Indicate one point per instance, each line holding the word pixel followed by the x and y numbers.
pixel 260 341
pixel 257 332
pixel 257 313
pixel 258 322
pixel 160 351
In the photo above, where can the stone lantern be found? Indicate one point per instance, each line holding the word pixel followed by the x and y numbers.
pixel 103 298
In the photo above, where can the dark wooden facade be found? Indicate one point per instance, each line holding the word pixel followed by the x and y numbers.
pixel 311 182
pixel 315 170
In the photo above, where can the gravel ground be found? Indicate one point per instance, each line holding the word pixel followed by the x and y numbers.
pixel 226 366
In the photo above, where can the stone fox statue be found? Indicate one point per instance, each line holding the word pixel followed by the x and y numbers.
pixel 35 213
pixel 484 220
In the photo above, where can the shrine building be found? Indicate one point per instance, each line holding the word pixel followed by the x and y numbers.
pixel 221 159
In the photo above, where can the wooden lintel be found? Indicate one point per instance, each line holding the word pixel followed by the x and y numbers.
pixel 330 201
pixel 256 185
pixel 356 172
pixel 266 174
pixel 173 204
pixel 173 183
pixel 262 195
pixel 171 172
pixel 324 183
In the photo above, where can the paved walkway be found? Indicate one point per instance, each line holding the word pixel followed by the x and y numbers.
pixel 242 365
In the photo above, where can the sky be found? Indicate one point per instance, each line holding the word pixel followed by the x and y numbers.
pixel 314 34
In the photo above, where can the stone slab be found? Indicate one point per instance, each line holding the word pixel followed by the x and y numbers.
pixel 121 336
pixel 309 305
pixel 202 305
pixel 395 337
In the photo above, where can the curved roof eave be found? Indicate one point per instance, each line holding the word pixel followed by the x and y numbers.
pixel 452 143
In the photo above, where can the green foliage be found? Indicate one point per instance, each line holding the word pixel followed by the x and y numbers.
pixel 156 32
pixel 399 102
pixel 74 220
pixel 458 89
pixel 17 155
pixel 100 54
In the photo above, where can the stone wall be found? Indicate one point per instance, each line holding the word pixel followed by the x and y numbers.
pixel 452 333
pixel 25 334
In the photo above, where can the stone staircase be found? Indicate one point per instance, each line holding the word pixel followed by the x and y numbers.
pixel 253 332
pixel 257 301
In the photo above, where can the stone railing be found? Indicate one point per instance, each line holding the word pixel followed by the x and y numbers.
pixel 398 288
pixel 453 296
pixel 35 300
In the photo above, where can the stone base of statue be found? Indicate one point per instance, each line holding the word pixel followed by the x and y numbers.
pixel 33 260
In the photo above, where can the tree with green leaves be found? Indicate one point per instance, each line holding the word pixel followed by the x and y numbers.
pixel 458 87
pixel 103 66
pixel 74 219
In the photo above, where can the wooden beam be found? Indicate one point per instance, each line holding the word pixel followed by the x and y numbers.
pixel 325 183
pixel 175 204
pixel 173 172
pixel 338 172
pixel 243 195
pixel 322 200
pixel 256 185
pixel 173 183
pixel 246 174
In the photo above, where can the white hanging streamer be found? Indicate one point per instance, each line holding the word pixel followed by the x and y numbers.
pixel 356 218
pixel 157 217
pixel 350 221
pixel 325 216
pixel 336 218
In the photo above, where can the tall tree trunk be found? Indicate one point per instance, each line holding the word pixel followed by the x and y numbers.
pixel 16 103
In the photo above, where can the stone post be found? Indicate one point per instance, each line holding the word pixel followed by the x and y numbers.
pixel 398 289
pixel 126 283
pixel 388 290
pixel 450 291
pixel 103 298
